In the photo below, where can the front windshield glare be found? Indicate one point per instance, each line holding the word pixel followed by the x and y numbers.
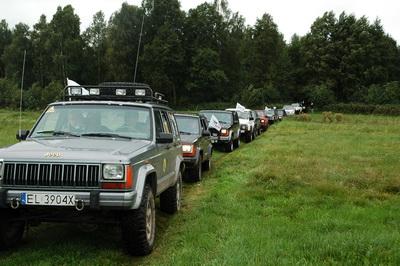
pixel 224 118
pixel 243 115
pixel 94 120
pixel 188 125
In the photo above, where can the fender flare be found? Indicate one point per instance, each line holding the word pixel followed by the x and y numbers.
pixel 143 172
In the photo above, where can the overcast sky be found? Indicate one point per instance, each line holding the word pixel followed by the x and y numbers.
pixel 291 16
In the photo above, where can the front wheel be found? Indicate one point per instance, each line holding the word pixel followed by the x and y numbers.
pixel 236 143
pixel 170 199
pixel 229 146
pixel 139 226
pixel 11 229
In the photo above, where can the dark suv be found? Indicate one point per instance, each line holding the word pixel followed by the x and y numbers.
pixel 196 145
pixel 229 135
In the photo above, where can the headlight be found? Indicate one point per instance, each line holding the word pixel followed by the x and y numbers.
pixel 186 148
pixel 113 172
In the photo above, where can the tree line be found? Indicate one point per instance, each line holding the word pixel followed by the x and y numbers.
pixel 207 54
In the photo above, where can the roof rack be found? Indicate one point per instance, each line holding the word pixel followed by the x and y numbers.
pixel 115 91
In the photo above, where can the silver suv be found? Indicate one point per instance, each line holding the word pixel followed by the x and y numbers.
pixel 101 157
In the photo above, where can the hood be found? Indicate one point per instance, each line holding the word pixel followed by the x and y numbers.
pixel 189 138
pixel 244 121
pixel 73 149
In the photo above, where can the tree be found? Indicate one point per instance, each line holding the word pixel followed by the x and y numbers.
pixel 66 45
pixel 95 39
pixel 5 40
pixel 122 42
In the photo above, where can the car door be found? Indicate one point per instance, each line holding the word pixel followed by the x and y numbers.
pixel 205 141
pixel 165 150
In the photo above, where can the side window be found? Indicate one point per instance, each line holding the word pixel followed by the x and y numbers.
pixel 158 122
pixel 166 123
pixel 173 124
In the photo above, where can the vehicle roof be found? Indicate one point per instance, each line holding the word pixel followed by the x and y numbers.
pixel 216 111
pixel 188 115
pixel 234 109
pixel 120 103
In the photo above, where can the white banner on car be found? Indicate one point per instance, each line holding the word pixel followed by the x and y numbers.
pixel 240 107
pixel 73 83
pixel 214 123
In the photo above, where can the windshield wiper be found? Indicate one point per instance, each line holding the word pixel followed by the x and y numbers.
pixel 105 135
pixel 185 133
pixel 58 133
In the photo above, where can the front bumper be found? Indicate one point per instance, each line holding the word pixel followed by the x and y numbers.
pixel 220 139
pixel 91 199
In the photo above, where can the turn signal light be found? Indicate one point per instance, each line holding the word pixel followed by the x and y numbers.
pixel 121 185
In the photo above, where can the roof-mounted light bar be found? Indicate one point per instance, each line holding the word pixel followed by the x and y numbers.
pixel 118 91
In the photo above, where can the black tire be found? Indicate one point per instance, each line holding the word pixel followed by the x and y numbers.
pixel 249 136
pixel 11 230
pixel 138 227
pixel 229 146
pixel 170 199
pixel 196 173
pixel 236 143
pixel 207 165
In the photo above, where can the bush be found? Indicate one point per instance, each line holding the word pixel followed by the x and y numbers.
pixel 327 117
pixel 339 117
pixel 303 117
pixel 359 108
pixel 321 95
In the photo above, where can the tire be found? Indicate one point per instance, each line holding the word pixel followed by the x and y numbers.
pixel 196 173
pixel 207 165
pixel 236 143
pixel 11 232
pixel 170 199
pixel 138 227
pixel 229 146
pixel 249 136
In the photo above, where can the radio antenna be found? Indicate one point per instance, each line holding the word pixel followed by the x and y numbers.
pixel 20 99
pixel 140 40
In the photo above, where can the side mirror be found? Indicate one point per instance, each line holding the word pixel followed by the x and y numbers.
pixel 164 138
pixel 22 134
pixel 206 133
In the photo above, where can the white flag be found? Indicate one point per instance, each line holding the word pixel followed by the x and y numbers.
pixel 240 107
pixel 214 123
pixel 73 83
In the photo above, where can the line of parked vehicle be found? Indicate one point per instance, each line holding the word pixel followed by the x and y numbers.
pixel 199 136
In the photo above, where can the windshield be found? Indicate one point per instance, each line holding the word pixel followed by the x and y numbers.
pixel 270 112
pixel 288 107
pixel 243 115
pixel 188 125
pixel 223 118
pixel 78 120
pixel 280 112
pixel 260 113
pixel 296 105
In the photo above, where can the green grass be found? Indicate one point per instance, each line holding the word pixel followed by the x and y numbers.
pixel 302 193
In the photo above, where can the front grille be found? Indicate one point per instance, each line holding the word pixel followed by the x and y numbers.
pixel 51 174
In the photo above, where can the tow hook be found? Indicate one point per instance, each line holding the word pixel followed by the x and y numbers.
pixel 15 204
pixel 79 205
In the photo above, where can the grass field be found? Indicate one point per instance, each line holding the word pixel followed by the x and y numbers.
pixel 302 193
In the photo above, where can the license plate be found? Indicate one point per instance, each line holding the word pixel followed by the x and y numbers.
pixel 47 199
pixel 242 131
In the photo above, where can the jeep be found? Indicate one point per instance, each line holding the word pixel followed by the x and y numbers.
pixel 248 127
pixel 196 145
pixel 229 135
pixel 100 156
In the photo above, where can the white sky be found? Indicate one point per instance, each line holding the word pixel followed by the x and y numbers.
pixel 291 16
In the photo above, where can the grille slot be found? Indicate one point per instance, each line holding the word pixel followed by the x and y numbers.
pixel 51 174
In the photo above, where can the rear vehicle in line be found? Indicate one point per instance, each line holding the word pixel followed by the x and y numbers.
pixel 297 108
pixel 196 145
pixel 263 119
pixel 281 114
pixel 228 137
pixel 102 156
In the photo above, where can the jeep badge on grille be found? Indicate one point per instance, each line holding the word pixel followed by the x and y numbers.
pixel 53 155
